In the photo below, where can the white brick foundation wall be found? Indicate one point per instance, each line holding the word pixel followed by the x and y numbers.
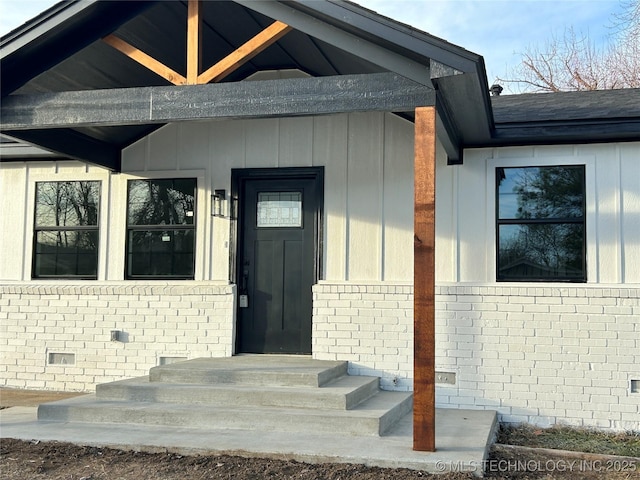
pixel 165 320
pixel 371 326
pixel 543 355
pixel 537 354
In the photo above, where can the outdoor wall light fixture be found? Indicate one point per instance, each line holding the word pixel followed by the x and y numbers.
pixel 115 335
pixel 217 203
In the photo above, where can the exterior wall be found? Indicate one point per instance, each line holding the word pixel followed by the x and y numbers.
pixel 465 231
pixel 17 198
pixel 369 325
pixel 542 354
pixel 155 321
pixel 368 160
pixel 538 352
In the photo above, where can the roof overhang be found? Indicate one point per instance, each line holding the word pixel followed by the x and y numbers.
pixel 13 149
pixel 67 91
pixel 566 117
pixel 56 34
pixel 605 130
pixel 57 62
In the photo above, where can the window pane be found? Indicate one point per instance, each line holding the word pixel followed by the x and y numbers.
pixel 161 253
pixel 161 202
pixel 541 192
pixel 67 204
pixel 66 253
pixel 279 209
pixel 541 251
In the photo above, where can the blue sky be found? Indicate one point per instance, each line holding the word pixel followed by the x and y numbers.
pixel 496 29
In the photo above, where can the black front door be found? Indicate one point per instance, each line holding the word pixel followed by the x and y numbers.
pixel 277 265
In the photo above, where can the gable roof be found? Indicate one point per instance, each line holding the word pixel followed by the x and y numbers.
pixel 61 50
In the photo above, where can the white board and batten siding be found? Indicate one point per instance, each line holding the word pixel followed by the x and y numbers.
pixel 17 206
pixel 368 198
pixel 466 205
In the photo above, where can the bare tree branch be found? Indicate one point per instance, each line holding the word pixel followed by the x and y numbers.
pixel 573 62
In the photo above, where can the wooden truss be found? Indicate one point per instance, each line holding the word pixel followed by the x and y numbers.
pixel 217 72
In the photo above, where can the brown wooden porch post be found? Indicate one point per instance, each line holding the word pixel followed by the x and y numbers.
pixel 424 394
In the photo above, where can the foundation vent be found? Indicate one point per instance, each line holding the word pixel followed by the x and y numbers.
pixel 57 358
pixel 448 378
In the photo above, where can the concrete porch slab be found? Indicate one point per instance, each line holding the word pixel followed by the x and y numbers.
pixel 462 440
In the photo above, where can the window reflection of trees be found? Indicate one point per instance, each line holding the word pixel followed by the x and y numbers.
pixel 161 202
pixel 68 204
pixel 543 236
pixel 550 192
pixel 161 228
pixel 64 204
pixel 66 224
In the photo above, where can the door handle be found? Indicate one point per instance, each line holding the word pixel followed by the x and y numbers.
pixel 243 299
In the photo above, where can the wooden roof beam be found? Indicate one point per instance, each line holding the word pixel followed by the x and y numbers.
pixel 385 92
pixel 217 72
pixel 145 60
pixel 244 53
pixel 194 42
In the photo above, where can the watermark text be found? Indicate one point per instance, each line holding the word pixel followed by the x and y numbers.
pixel 540 466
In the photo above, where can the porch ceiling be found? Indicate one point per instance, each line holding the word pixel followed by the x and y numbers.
pixel 62 51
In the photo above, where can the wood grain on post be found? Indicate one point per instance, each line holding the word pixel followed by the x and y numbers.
pixel 424 410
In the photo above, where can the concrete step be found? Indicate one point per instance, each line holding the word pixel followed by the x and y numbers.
pixel 343 393
pixel 372 417
pixel 261 393
pixel 271 370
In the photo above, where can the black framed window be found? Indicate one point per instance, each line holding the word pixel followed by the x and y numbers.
pixel 540 228
pixel 66 233
pixel 161 228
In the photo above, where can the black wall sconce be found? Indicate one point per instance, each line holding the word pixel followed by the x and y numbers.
pixel 217 203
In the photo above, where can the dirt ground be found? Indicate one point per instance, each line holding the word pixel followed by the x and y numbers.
pixel 22 460
pixel 10 397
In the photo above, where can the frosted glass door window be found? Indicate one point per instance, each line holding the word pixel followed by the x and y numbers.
pixel 279 209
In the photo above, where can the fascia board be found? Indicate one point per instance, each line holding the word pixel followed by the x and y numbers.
pixel 412 41
pixel 51 20
pixel 340 37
